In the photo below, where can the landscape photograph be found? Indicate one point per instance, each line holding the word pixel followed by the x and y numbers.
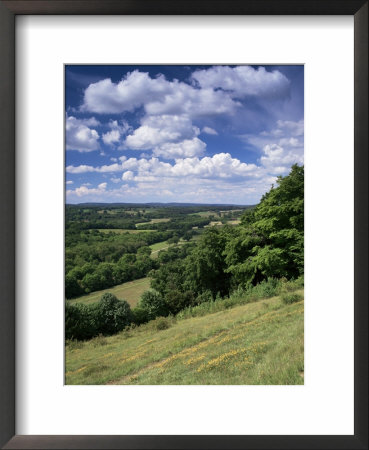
pixel 184 224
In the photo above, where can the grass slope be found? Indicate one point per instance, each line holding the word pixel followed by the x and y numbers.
pixel 130 291
pixel 255 343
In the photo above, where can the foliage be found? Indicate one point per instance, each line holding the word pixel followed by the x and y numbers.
pixel 107 317
pixel 140 315
pixel 154 304
pixel 114 315
pixel 94 276
pixel 287 299
pixel 270 242
pixel 81 322
pixel 162 323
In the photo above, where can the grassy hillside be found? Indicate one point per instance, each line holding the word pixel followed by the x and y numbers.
pixel 130 291
pixel 254 343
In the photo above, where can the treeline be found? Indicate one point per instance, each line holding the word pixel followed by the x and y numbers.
pixel 93 276
pixel 115 217
pixel 107 317
pixel 180 224
pixel 94 246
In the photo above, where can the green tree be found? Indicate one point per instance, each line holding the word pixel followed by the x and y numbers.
pixel 270 242
pixel 154 304
pixel 206 266
pixel 114 315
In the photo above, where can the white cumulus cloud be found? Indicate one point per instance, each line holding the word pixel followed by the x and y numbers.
pixel 208 130
pixel 157 130
pixel 111 137
pixel 185 149
pixel 157 96
pixel 79 135
pixel 83 191
pixel 220 165
pixel 242 81
pixel 280 147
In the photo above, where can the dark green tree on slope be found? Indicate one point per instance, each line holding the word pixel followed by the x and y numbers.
pixel 271 239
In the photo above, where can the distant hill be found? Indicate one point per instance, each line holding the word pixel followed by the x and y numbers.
pixel 155 204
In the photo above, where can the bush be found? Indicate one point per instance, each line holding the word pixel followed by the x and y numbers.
pixel 287 299
pixel 265 289
pixel 107 317
pixel 162 323
pixel 204 297
pixel 176 300
pixel 72 288
pixel 139 315
pixel 154 304
pixel 114 315
pixel 80 322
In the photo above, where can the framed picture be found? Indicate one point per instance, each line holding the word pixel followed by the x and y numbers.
pixel 134 139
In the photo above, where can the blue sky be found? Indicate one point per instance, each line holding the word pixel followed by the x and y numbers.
pixel 200 134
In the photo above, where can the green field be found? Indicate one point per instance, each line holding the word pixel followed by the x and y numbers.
pixel 130 291
pixel 205 213
pixel 164 245
pixel 157 247
pixel 153 221
pixel 254 343
pixel 121 231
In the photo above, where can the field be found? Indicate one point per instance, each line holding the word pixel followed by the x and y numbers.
pixel 153 221
pixel 130 291
pixel 213 224
pixel 157 247
pixel 120 231
pixel 254 343
pixel 205 213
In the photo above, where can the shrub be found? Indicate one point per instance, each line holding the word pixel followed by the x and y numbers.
pixel 205 296
pixel 113 314
pixel 292 285
pixel 154 304
pixel 72 288
pixel 162 323
pixel 139 315
pixel 107 317
pixel 265 289
pixel 176 300
pixel 80 322
pixel 287 299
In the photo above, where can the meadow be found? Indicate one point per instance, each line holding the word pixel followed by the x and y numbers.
pixel 253 343
pixel 130 291
pixel 155 248
pixel 162 220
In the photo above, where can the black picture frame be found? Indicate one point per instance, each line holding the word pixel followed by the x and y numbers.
pixel 8 12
